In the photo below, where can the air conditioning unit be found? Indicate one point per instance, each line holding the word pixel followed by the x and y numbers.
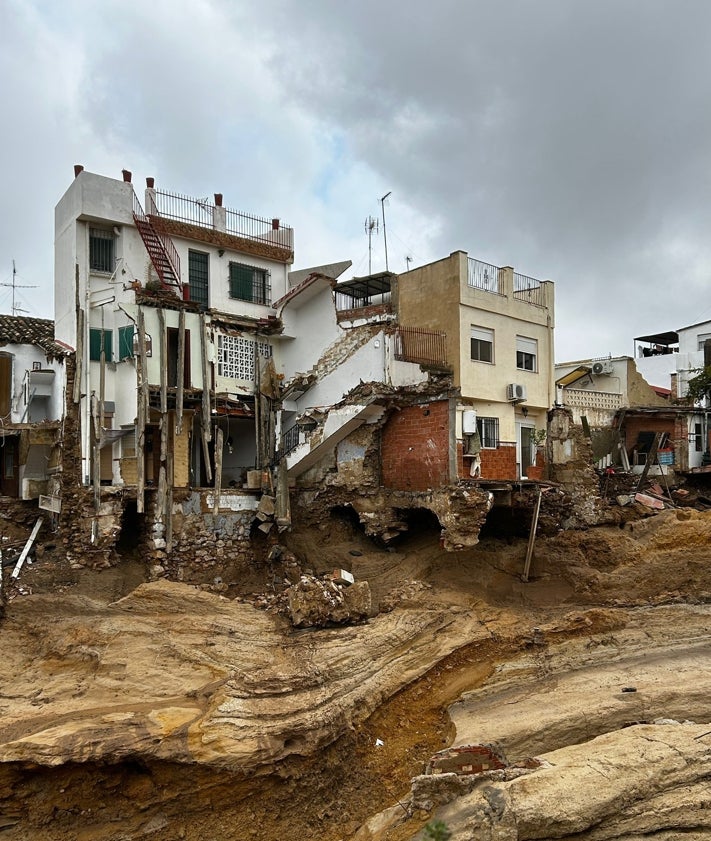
pixel 515 392
pixel 605 367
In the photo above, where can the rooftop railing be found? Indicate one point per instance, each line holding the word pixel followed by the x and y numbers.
pixel 529 289
pixel 201 212
pixel 484 276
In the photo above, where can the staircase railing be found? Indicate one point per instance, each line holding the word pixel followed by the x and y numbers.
pixel 166 244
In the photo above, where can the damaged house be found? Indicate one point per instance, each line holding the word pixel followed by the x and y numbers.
pixel 208 380
pixel 167 301
pixel 32 382
pixel 428 378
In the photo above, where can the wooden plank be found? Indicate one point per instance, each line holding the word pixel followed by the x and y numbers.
pixel 180 396
pixel 206 424
pixel 79 356
pixel 26 550
pixel 219 444
pixel 206 417
pixel 141 414
pixel 651 458
pixel 170 482
pixel 532 537
pixel 163 361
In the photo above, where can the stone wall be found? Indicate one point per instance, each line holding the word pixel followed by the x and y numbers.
pixel 206 546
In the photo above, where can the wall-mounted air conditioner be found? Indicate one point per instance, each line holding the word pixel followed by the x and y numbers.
pixel 515 391
pixel 605 367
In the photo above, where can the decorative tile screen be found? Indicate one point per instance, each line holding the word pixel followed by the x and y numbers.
pixel 235 356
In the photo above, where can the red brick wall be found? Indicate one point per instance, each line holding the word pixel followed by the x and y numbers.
pixel 415 447
pixel 495 464
pixel 648 423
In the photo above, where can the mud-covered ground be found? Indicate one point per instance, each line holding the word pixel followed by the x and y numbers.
pixel 585 587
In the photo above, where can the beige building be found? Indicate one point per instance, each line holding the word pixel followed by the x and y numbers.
pixel 499 334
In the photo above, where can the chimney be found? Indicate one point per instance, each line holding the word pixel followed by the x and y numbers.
pixel 275 224
pixel 77 169
pixel 126 175
pixel 218 199
pixel 150 182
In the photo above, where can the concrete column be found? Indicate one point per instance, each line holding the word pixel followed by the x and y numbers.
pixel 506 282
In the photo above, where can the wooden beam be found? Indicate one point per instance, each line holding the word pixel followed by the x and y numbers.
pixel 141 414
pixel 79 356
pixel 180 396
pixel 163 361
pixel 206 425
pixel 170 482
pixel 651 458
pixel 26 550
pixel 218 469
pixel 532 537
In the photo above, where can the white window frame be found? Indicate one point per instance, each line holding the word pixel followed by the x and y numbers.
pixel 488 429
pixel 481 335
pixel 526 349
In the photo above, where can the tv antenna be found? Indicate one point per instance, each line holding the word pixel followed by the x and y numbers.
pixel 385 234
pixel 15 285
pixel 408 259
pixel 371 226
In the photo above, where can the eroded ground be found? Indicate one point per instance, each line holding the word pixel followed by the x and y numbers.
pixel 167 712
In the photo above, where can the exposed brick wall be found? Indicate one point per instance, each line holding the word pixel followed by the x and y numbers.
pixel 415 447
pixel 499 463
pixel 675 427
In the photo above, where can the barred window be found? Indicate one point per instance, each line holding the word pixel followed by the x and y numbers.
pixel 488 429
pixel 249 283
pixel 235 356
pixel 198 277
pixel 101 250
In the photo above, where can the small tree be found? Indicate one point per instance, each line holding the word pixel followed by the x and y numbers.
pixel 437 831
pixel 699 387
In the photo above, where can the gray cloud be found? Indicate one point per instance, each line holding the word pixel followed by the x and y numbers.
pixel 566 138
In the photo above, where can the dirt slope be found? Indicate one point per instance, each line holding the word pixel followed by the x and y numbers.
pixel 176 713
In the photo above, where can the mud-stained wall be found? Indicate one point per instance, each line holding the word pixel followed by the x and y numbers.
pixel 415 447
pixel 208 547
pixel 570 463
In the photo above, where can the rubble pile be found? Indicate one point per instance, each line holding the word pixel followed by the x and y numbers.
pixel 316 602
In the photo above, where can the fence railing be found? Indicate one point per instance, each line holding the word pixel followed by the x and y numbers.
pixel 424 347
pixel 290 440
pixel 201 212
pixel 484 276
pixel 529 289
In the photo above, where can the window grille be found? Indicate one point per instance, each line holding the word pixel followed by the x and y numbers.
pixel 101 250
pixel 198 277
pixel 249 283
pixel 488 432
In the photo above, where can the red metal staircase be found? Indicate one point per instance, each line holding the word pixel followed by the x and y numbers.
pixel 160 248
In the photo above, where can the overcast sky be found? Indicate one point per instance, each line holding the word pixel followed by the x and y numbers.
pixel 570 139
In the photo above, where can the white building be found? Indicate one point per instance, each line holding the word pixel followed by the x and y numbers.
pixel 32 383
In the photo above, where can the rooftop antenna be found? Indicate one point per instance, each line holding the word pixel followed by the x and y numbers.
pixel 385 234
pixel 15 285
pixel 371 226
pixel 408 259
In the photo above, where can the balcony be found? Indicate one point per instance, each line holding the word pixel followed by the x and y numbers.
pixel 423 347
pixel 365 297
pixel 201 213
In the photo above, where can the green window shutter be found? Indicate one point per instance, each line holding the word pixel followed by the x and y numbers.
pixel 241 281
pixel 95 344
pixel 125 342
